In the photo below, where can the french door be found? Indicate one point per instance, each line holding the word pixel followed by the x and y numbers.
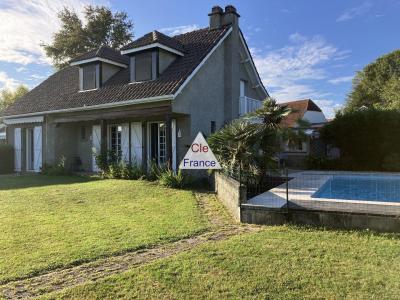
pixel 157 151
pixel 30 149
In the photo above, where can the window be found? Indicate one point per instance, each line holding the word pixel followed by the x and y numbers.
pixel 242 88
pixel 213 127
pixel 143 66
pixel 89 77
pixel 296 146
pixel 115 141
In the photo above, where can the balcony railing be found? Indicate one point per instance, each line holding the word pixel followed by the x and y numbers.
pixel 248 105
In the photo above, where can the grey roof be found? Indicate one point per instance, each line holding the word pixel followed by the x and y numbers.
pixel 156 37
pixel 103 52
pixel 61 90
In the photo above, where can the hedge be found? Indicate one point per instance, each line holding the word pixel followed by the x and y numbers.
pixel 369 139
pixel 6 159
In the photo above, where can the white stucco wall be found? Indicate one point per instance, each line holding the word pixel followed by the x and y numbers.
pixel 314 117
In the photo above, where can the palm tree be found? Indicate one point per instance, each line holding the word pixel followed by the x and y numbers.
pixel 252 142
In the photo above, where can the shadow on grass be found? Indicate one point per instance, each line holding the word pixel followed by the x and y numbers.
pixel 13 182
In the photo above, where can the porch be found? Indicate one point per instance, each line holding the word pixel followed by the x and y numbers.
pixel 135 135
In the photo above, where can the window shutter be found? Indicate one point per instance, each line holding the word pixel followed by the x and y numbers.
pixel 125 142
pixel 17 149
pixel 37 142
pixel 96 146
pixel 137 143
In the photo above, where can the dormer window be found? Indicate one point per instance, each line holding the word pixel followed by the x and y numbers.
pixel 142 67
pixel 97 66
pixel 151 55
pixel 89 76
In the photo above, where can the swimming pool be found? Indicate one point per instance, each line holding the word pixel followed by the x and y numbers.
pixel 366 188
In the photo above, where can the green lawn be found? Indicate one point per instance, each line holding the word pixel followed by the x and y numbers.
pixel 50 222
pixel 278 263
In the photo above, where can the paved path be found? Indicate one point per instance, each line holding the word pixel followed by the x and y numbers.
pixel 222 228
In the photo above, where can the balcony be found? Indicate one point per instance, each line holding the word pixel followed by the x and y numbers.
pixel 248 105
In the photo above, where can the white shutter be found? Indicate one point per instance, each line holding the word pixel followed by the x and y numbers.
pixel 137 142
pixel 173 140
pixel 96 146
pixel 125 142
pixel 37 142
pixel 17 149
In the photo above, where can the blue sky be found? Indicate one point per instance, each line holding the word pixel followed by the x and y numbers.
pixel 303 49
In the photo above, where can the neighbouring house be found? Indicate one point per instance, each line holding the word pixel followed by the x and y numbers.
pixel 294 154
pixel 2 133
pixel 145 102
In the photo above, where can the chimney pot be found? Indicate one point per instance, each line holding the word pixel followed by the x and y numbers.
pixel 231 9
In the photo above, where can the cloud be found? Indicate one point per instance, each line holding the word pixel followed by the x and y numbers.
pixel 26 24
pixel 342 79
pixel 290 72
pixel 7 82
pixel 353 12
pixel 171 31
pixel 329 107
pixel 21 69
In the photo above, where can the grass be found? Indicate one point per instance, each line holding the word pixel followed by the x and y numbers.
pixel 51 222
pixel 277 263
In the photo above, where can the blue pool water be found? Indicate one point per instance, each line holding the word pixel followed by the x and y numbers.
pixel 367 188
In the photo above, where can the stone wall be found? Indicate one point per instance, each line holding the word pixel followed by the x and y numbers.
pixel 254 214
pixel 230 193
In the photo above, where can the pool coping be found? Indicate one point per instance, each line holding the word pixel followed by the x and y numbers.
pixel 301 191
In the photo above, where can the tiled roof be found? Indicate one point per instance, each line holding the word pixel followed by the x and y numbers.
pixel 299 108
pixel 61 90
pixel 156 37
pixel 103 52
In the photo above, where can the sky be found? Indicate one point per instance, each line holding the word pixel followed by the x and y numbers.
pixel 302 49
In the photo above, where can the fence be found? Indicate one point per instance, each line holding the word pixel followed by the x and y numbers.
pixel 349 200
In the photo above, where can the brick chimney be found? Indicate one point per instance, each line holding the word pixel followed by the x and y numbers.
pixel 216 15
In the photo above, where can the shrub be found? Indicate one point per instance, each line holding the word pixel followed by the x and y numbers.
pixel 6 159
pixel 111 167
pixel 173 180
pixel 365 138
pixel 56 170
pixel 132 172
pixel 155 171
pixel 391 162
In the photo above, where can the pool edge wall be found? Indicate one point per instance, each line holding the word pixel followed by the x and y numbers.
pixel 339 220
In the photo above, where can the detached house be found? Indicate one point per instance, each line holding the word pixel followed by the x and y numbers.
pixel 307 110
pixel 146 102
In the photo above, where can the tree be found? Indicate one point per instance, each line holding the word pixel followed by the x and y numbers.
pixel 102 28
pixel 251 143
pixel 8 97
pixel 377 85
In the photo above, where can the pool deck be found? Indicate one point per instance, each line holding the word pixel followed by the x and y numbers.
pixel 305 183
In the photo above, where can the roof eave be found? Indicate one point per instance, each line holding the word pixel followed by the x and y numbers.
pixel 150 46
pixel 94 59
pixel 94 107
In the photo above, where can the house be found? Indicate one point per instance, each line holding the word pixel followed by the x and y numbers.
pixel 145 102
pixel 2 133
pixel 294 154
